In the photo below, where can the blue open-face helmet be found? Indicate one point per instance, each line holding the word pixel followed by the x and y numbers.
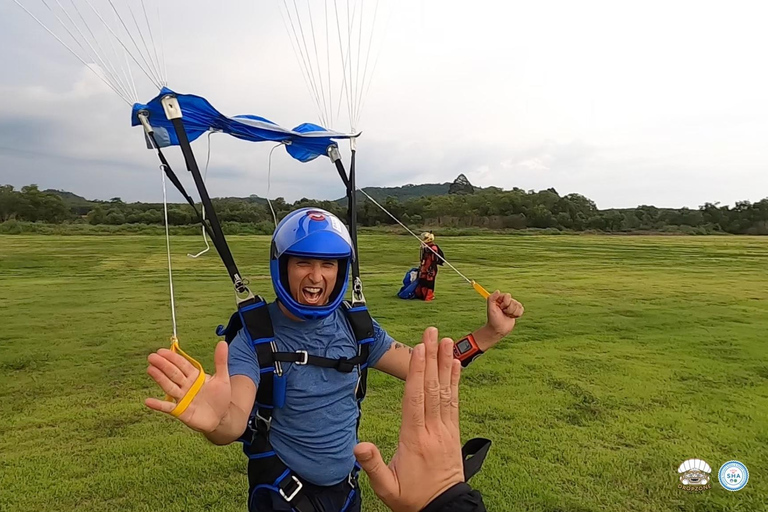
pixel 310 233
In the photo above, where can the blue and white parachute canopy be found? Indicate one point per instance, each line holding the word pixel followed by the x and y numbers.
pixel 304 142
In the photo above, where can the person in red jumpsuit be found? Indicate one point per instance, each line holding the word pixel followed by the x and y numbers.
pixel 431 257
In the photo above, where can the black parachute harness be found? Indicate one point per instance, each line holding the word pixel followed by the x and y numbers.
pixel 265 469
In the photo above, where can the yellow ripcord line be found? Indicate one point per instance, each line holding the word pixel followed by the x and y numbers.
pixel 182 404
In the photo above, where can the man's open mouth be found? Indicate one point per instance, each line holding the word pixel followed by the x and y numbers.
pixel 312 294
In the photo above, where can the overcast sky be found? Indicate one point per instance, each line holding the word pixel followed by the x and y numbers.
pixel 628 103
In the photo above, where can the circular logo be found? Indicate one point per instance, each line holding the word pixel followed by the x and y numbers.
pixel 733 475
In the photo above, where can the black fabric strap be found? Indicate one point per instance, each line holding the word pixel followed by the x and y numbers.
pixel 343 364
pixel 349 183
pixel 258 323
pixel 292 486
pixel 352 216
pixel 459 498
pixel 474 452
pixel 218 235
pixel 361 322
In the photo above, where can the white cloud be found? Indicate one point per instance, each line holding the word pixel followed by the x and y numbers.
pixel 655 102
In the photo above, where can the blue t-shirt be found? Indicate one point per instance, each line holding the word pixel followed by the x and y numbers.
pixel 315 431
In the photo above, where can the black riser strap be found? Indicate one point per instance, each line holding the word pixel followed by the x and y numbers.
pixel 177 183
pixel 352 215
pixel 219 241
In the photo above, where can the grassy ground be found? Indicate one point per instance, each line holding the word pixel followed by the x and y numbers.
pixel 635 354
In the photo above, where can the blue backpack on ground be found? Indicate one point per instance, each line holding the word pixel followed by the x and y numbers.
pixel 410 281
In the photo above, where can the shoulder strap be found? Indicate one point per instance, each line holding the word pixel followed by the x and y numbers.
pixel 253 315
pixel 362 327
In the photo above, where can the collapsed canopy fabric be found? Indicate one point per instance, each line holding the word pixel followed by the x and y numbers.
pixel 304 143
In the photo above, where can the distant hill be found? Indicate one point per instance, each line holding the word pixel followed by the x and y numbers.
pixel 460 185
pixel 402 193
pixel 252 199
pixel 70 198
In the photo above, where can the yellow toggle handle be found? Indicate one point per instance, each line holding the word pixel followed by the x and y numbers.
pixel 182 404
pixel 479 289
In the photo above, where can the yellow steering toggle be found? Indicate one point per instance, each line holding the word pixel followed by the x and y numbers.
pixel 182 404
pixel 479 289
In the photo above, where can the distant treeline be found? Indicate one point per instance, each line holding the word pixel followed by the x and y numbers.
pixel 490 208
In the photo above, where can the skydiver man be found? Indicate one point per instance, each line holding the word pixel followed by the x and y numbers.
pixel 313 430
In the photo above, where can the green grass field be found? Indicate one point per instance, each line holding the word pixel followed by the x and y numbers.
pixel 635 353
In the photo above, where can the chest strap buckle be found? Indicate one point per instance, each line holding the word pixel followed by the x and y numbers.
pixel 305 360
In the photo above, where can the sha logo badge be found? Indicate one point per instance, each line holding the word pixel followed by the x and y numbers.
pixel 733 475
pixel 694 475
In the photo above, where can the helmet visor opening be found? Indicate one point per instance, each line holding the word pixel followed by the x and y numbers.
pixel 341 276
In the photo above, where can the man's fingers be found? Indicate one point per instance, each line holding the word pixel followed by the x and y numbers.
pixel 413 397
pixel 170 370
pixel 166 367
pixel 455 378
pixel 493 303
pixel 445 365
pixel 179 361
pixel 505 300
pixel 220 360
pixel 166 384
pixel 514 310
pixel 159 405
pixel 431 380
pixel 383 480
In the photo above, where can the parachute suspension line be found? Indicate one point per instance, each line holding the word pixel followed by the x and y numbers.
pixel 350 93
pixel 319 71
pixel 168 251
pixel 344 57
pixel 205 178
pixel 365 69
pixel 78 57
pixel 297 49
pixel 269 180
pixel 163 77
pixel 154 65
pixel 474 284
pixel 353 122
pixel 162 43
pixel 146 47
pixel 328 61
pixel 183 403
pixel 130 75
pixel 120 58
pixel 304 51
pixel 95 40
pixel 145 69
pixel 127 75
pixel 94 55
